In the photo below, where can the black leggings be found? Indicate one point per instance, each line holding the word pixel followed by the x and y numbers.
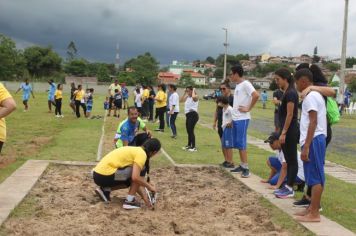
pixel 160 113
pixel 151 106
pixel 190 122
pixel 289 149
pixel 58 109
pixel 78 104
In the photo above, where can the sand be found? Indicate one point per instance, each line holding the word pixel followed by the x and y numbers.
pixel 191 201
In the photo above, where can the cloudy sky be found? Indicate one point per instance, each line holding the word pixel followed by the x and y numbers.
pixel 179 29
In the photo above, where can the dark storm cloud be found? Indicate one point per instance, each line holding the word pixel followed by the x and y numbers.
pixel 178 29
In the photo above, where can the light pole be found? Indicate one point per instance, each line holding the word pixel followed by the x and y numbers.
pixel 225 45
pixel 343 53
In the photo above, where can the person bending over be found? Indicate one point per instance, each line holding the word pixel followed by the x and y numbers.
pixel 125 168
pixel 128 133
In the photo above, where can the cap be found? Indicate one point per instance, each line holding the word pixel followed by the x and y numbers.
pixel 273 137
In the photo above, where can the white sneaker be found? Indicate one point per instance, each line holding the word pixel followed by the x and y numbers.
pixel 62 116
pixel 131 205
pixel 58 116
pixel 185 148
pixel 192 149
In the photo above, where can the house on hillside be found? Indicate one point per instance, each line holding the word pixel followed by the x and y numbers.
pixel 168 78
pixel 264 83
pixel 81 80
pixel 198 78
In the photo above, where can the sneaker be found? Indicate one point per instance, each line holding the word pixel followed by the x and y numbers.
pixel 245 173
pixel 104 195
pixel 62 116
pixel 228 165
pixel 284 193
pixel 185 148
pixel 58 116
pixel 192 149
pixel 304 202
pixel 223 164
pixel 237 169
pixel 131 205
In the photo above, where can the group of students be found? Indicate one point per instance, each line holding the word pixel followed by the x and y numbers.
pixel 117 99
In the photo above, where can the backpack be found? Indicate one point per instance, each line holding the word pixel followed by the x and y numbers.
pixel 332 111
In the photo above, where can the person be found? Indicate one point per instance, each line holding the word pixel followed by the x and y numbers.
pixel 7 105
pixel 106 104
pixel 128 132
pixel 26 90
pixel 161 106
pixel 245 97
pixel 117 102
pixel 72 101
pixel 277 95
pixel 173 109
pixel 218 118
pixel 227 141
pixel 125 168
pixel 138 101
pixel 289 129
pixel 111 92
pixel 145 103
pixel 278 165
pixel 89 104
pixel 125 95
pixel 313 132
pixel 79 100
pixel 191 103
pixel 320 84
pixel 51 91
pixel 58 99
pixel 151 102
pixel 264 98
pixel 168 106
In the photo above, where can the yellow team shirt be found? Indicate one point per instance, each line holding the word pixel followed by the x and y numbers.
pixel 163 97
pixel 120 158
pixel 4 94
pixel 79 95
pixel 146 94
pixel 112 88
pixel 58 94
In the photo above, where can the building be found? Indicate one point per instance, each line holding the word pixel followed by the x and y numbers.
pixel 265 57
pixel 198 78
pixel 263 83
pixel 178 67
pixel 81 80
pixel 168 78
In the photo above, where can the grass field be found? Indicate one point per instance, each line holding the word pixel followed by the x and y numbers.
pixel 37 134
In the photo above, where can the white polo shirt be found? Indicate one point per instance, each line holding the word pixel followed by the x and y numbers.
pixel 174 100
pixel 190 105
pixel 242 97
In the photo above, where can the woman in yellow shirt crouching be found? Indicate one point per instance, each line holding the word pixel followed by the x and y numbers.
pixel 125 168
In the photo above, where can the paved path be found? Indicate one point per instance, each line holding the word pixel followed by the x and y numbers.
pixel 338 171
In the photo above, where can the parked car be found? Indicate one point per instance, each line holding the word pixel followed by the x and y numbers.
pixel 212 95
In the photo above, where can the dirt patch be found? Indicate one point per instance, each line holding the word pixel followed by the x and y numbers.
pixel 203 201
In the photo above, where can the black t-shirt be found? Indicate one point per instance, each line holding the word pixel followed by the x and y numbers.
pixel 152 93
pixel 72 90
pixel 219 110
pixel 277 94
pixel 290 95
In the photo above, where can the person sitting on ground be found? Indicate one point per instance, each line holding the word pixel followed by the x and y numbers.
pixel 227 141
pixel 117 102
pixel 125 168
pixel 278 166
pixel 128 133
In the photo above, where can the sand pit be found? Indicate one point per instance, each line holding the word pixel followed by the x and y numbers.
pixel 204 201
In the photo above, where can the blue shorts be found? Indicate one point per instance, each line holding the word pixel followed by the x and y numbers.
pixel 89 108
pixel 240 133
pixel 275 163
pixel 25 97
pixel 50 97
pixel 314 168
pixel 227 140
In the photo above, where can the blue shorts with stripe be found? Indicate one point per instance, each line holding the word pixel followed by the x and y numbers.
pixel 314 168
pixel 240 133
pixel 227 139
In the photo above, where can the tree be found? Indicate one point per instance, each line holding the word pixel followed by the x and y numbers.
pixel 219 73
pixel 350 62
pixel 126 77
pixel 71 51
pixel 145 68
pixel 42 61
pixel 332 66
pixel 12 62
pixel 103 74
pixel 186 80
pixel 240 57
pixel 210 59
pixel 77 67
pixel 273 86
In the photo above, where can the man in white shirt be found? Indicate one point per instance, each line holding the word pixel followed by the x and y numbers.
pixel 173 109
pixel 245 97
pixel 313 129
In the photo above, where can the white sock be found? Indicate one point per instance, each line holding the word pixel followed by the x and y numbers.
pixel 130 198
pixel 289 188
pixel 244 165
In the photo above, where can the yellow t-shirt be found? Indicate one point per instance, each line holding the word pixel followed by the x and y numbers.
pixel 112 88
pixel 163 97
pixel 146 94
pixel 120 158
pixel 4 94
pixel 58 94
pixel 79 96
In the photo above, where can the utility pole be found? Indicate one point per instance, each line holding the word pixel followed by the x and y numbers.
pixel 117 58
pixel 343 52
pixel 225 45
